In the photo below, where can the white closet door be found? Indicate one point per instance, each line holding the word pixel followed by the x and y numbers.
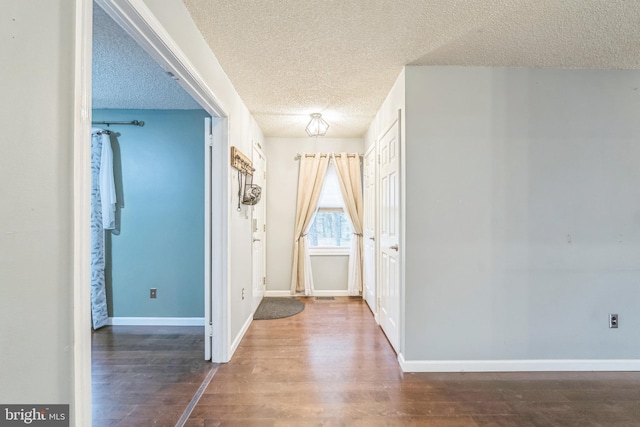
pixel 389 210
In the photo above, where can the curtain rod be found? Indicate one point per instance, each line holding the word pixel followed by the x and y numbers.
pixel 132 122
pixel 299 156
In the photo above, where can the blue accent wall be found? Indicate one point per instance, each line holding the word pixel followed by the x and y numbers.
pixel 159 240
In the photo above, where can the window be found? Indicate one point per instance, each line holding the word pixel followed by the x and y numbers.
pixel 330 228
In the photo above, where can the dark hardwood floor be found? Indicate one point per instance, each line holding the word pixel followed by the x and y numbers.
pixel 145 375
pixel 332 366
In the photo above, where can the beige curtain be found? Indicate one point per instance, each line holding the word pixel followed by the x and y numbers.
pixel 310 179
pixel 350 179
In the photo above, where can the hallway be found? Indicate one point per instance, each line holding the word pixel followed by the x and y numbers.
pixel 331 366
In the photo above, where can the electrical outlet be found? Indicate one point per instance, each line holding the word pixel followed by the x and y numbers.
pixel 153 292
pixel 613 321
pixel 242 293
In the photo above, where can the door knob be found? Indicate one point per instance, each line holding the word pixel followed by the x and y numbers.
pixel 372 238
pixel 256 240
pixel 394 247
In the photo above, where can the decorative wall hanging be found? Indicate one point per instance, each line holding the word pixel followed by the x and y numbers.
pixel 252 192
pixel 241 162
pixel 249 193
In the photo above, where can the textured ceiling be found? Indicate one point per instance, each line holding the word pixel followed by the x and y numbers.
pixel 289 58
pixel 125 76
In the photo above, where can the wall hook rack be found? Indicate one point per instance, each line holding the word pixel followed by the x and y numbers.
pixel 241 162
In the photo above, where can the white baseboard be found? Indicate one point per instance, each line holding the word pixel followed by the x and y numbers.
pixel 537 365
pixel 342 293
pixel 277 293
pixel 236 341
pixel 156 321
pixel 317 293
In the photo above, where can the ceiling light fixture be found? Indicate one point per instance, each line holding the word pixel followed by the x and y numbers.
pixel 317 126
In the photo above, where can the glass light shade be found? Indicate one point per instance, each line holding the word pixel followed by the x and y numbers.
pixel 317 126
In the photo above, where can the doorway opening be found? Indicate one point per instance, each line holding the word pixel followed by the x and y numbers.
pixel 135 19
pixel 150 255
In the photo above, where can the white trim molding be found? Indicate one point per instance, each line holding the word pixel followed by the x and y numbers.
pixel 316 293
pixel 81 404
pixel 236 342
pixel 323 293
pixel 156 321
pixel 533 365
pixel 328 251
pixel 278 294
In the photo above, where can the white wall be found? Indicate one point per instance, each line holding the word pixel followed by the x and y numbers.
pixel 36 171
pixel 522 213
pixel 243 131
pixel 388 112
pixel 36 211
pixel 329 273
pixel 385 117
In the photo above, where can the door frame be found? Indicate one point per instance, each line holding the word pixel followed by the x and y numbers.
pixel 260 168
pixel 216 296
pixel 373 151
pixel 140 23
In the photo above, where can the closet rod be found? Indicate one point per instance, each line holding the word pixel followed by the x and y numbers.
pixel 132 122
pixel 299 156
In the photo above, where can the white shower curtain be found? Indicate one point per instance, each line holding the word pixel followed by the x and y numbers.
pixel 103 207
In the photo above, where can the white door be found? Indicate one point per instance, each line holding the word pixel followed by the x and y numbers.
pixel 389 206
pixel 259 227
pixel 208 238
pixel 369 232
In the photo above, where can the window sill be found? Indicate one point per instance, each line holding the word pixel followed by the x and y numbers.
pixel 329 251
